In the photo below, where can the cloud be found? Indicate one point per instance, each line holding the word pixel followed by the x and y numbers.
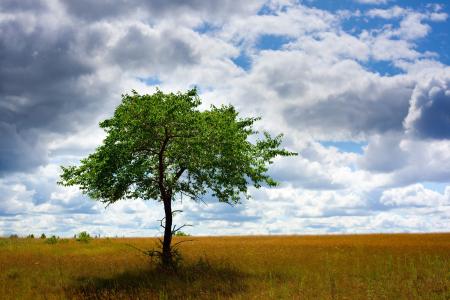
pixel 428 160
pixel 429 112
pixel 19 198
pixel 65 64
pixel 388 13
pixel 394 42
pixel 26 5
pixel 372 1
pixel 191 12
pixel 16 148
pixel 403 160
pixel 370 105
pixel 384 153
pixel 47 84
pixel 141 48
pixel 414 195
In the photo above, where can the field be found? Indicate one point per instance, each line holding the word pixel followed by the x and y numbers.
pixel 399 266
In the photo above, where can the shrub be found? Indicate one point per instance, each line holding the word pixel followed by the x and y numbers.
pixel 13 236
pixel 30 236
pixel 43 236
pixel 181 233
pixel 83 237
pixel 52 240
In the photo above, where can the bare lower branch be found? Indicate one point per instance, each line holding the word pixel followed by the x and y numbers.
pixel 184 241
pixel 161 222
pixel 145 252
pixel 176 211
pixel 179 173
pixel 179 228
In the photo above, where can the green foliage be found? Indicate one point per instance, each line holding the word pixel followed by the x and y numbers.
pixel 162 145
pixel 13 236
pixel 43 236
pixel 181 233
pixel 83 237
pixel 52 240
pixel 30 236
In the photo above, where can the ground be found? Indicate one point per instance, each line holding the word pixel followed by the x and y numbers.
pixel 399 266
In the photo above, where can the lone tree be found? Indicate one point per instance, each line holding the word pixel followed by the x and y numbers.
pixel 161 145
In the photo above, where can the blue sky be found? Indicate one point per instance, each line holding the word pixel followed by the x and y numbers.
pixel 360 89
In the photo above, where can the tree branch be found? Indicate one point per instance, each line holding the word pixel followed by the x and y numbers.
pixel 184 241
pixel 179 173
pixel 175 229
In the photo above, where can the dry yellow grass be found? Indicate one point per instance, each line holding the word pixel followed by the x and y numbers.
pixel 400 266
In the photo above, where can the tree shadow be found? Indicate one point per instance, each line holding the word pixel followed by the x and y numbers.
pixel 195 281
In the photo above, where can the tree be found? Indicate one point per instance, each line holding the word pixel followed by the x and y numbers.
pixel 161 146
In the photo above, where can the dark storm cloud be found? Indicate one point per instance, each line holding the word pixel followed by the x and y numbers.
pixel 152 51
pixel 430 110
pixel 94 10
pixel 49 66
pixel 38 75
pixel 19 151
pixel 106 9
pixel 435 119
pixel 40 69
pixel 355 113
pixel 22 5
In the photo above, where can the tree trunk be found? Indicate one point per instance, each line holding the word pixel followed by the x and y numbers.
pixel 167 251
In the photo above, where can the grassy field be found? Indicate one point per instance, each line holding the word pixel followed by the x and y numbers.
pixel 400 266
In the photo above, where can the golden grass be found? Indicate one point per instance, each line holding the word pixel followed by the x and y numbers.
pixel 399 266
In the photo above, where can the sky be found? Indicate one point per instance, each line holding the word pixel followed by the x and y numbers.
pixel 360 89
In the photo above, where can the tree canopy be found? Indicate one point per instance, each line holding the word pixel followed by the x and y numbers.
pixel 163 142
pixel 162 145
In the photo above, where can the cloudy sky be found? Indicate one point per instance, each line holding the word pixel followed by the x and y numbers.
pixel 360 88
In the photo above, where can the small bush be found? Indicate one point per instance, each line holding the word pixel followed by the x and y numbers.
pixel 30 236
pixel 83 237
pixel 43 236
pixel 52 240
pixel 181 233
pixel 13 236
